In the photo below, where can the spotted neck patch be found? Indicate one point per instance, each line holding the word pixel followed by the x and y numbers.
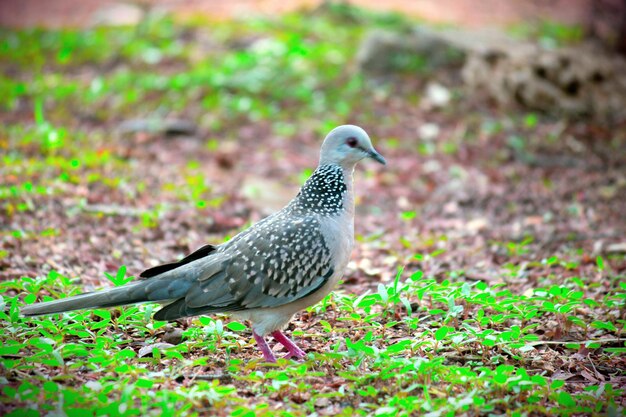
pixel 323 192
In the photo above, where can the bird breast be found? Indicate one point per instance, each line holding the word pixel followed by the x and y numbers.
pixel 338 230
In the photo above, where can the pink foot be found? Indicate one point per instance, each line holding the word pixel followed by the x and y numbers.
pixel 294 351
pixel 267 352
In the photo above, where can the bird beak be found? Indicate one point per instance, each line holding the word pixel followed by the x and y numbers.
pixel 376 156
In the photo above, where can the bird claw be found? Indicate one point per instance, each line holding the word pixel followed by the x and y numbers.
pixel 292 356
pixel 293 351
pixel 299 354
pixel 265 349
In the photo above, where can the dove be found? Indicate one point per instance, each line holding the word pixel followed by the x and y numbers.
pixel 277 267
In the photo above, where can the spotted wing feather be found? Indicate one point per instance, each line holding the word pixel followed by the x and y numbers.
pixel 273 264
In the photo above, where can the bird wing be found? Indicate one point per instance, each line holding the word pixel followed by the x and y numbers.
pixel 194 256
pixel 271 264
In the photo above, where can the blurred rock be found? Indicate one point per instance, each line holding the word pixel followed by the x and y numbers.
pixel 170 127
pixel 384 51
pixel 577 81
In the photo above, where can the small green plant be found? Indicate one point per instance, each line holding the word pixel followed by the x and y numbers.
pixel 120 277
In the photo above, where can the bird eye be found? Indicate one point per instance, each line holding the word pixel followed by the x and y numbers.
pixel 352 141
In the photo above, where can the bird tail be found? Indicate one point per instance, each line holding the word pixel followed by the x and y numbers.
pixel 128 294
pixel 164 283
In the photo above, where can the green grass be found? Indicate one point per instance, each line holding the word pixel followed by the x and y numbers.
pixel 549 33
pixel 440 344
pixel 417 345
pixel 154 70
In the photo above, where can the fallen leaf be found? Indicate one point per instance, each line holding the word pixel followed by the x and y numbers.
pixel 148 349
pixel 616 248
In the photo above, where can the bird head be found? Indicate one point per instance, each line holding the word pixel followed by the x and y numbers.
pixel 346 145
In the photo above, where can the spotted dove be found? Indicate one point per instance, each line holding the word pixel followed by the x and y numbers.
pixel 265 274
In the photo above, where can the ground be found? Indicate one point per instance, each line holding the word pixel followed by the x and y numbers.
pixel 488 275
pixel 67 13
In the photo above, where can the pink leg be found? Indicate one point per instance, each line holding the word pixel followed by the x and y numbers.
pixel 288 343
pixel 267 352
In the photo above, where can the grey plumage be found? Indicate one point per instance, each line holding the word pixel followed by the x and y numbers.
pixel 266 273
